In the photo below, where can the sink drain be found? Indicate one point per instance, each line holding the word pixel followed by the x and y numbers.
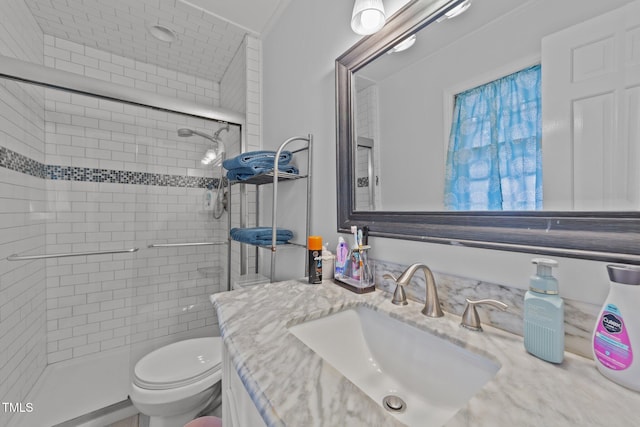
pixel 394 404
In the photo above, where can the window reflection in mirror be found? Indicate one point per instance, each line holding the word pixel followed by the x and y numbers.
pixel 404 103
pixel 494 158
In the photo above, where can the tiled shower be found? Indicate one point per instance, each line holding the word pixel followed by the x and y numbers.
pixel 102 302
pixel 80 173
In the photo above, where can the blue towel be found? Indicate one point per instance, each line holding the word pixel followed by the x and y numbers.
pixel 262 158
pixel 243 174
pixel 261 235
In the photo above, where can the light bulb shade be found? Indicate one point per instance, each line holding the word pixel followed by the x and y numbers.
pixel 368 17
pixel 459 9
pixel 209 156
pixel 404 44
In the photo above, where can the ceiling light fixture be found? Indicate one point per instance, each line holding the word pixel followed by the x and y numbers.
pixel 368 17
pixel 404 44
pixel 162 33
pixel 459 9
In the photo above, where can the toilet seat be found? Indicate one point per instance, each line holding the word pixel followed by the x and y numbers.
pixel 179 364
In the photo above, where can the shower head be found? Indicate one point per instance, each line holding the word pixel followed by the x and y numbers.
pixel 215 138
pixel 185 132
pixel 216 135
pixel 190 132
pixel 218 146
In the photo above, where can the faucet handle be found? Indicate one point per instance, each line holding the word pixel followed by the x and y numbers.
pixel 399 296
pixel 470 318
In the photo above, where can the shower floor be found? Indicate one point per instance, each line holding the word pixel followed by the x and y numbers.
pixel 73 388
pixel 89 385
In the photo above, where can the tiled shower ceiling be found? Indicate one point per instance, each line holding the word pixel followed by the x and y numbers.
pixel 204 47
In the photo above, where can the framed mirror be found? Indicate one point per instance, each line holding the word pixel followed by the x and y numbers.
pixel 395 113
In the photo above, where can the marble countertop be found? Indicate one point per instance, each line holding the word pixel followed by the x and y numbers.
pixel 292 386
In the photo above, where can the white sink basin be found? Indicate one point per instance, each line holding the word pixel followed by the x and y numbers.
pixel 384 356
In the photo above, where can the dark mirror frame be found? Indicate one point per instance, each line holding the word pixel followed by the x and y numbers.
pixel 602 236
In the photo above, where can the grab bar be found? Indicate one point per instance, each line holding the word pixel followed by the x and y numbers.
pixel 174 245
pixel 16 257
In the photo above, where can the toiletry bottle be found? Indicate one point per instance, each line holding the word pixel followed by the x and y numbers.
pixel 355 254
pixel 367 272
pixel 314 245
pixel 342 254
pixel 617 332
pixel 355 263
pixel 328 261
pixel 207 200
pixel 544 314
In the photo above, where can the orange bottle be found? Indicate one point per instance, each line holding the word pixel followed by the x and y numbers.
pixel 314 245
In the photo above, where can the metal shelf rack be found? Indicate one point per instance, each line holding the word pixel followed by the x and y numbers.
pixel 275 176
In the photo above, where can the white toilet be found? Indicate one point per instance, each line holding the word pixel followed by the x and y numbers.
pixel 174 383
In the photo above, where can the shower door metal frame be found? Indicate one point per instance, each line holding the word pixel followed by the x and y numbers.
pixel 28 72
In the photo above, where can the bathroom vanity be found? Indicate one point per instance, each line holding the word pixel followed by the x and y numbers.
pixel 237 407
pixel 275 379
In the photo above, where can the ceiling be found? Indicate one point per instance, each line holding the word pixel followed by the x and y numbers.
pixel 209 32
pixel 254 15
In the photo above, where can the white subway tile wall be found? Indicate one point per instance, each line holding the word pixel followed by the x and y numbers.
pixel 119 176
pixel 234 82
pixel 76 58
pixel 22 284
pixel 244 72
pixel 252 95
pixel 233 88
pixel 23 354
pixel 124 299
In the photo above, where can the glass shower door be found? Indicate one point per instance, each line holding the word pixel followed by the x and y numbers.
pixel 182 228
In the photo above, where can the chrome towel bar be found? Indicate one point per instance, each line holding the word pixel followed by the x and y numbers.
pixel 174 245
pixel 16 257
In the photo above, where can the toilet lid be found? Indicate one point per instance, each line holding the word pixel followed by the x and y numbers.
pixel 179 364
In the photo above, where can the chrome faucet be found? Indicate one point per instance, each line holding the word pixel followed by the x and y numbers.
pixel 432 304
pixel 399 296
pixel 470 318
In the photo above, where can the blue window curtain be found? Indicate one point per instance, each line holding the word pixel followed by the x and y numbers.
pixel 494 159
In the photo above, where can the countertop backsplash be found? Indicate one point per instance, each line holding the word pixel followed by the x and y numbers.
pixel 579 317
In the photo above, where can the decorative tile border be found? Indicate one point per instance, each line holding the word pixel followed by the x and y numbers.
pixel 17 162
pixel 363 182
pixel 23 164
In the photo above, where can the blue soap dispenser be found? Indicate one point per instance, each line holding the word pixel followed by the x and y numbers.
pixel 544 314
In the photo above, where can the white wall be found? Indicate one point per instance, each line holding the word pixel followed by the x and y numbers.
pixel 299 97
